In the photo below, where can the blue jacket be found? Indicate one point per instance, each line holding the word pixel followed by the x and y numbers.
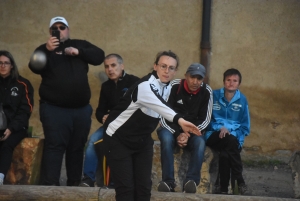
pixel 234 115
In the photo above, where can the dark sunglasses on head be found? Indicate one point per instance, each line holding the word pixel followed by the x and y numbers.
pixel 58 27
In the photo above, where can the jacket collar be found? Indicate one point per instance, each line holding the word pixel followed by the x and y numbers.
pixel 120 78
pixel 236 96
pixel 186 87
pixel 154 73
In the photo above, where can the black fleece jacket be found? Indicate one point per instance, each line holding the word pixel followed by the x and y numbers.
pixel 64 78
pixel 16 96
pixel 112 92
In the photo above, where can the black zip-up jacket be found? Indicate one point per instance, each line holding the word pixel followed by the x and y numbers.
pixel 137 115
pixel 195 108
pixel 16 95
pixel 64 78
pixel 112 92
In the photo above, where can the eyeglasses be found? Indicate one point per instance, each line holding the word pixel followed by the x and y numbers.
pixel 165 67
pixel 58 27
pixel 5 64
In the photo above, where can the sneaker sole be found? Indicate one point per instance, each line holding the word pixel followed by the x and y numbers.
pixel 84 185
pixel 190 187
pixel 163 188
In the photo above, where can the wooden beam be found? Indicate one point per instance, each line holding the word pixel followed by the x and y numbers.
pixel 64 193
pixel 37 193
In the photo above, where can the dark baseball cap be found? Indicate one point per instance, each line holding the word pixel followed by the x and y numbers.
pixel 196 69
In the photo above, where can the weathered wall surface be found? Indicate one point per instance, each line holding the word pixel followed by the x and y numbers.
pixel 136 29
pixel 258 37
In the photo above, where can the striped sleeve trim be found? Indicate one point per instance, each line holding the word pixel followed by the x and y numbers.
pixel 209 110
pixel 27 97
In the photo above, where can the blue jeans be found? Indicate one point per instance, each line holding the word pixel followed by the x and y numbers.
pixel 91 159
pixel 196 145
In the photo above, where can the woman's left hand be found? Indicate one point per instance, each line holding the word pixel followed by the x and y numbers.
pixel 7 133
pixel 188 127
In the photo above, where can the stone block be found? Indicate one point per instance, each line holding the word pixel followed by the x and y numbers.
pixel 26 162
pixel 209 169
pixel 295 166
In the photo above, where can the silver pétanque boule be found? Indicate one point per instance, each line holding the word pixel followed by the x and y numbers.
pixel 38 60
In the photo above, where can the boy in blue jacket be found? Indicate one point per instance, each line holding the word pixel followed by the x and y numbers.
pixel 229 125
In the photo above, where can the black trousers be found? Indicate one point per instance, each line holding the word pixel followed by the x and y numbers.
pixel 130 169
pixel 66 131
pixel 229 160
pixel 7 148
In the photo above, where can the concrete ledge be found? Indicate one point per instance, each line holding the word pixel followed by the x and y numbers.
pixel 38 193
pixel 295 165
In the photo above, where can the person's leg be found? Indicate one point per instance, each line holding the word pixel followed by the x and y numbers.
pixel 167 145
pixel 219 144
pixel 142 168
pixel 57 126
pixel 81 118
pixel 7 148
pixel 196 145
pixel 120 162
pixel 91 159
pixel 224 170
pixel 236 165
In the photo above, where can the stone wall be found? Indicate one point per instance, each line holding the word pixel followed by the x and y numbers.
pixel 258 37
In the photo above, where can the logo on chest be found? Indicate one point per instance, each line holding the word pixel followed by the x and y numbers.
pixel 14 91
pixel 154 89
pixel 216 106
pixel 180 101
pixel 236 107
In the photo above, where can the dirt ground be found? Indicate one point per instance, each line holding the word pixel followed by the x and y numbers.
pixel 262 180
pixel 269 181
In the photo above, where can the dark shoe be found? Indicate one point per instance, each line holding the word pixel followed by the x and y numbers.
pixel 164 187
pixel 190 187
pixel 87 182
pixel 217 189
pixel 243 189
pixel 73 183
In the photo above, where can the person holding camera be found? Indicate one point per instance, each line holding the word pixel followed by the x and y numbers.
pixel 65 111
pixel 16 103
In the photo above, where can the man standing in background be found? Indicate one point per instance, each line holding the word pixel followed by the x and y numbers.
pixel 65 111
